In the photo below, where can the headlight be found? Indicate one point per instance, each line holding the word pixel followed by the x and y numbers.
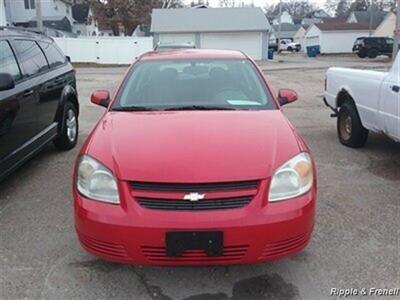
pixel 293 179
pixel 96 182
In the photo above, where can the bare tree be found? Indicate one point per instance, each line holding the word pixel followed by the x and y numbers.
pixel 128 13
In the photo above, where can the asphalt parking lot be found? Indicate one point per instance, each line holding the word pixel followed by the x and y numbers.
pixel 356 243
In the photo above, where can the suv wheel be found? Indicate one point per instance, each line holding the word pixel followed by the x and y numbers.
pixel 290 49
pixel 68 136
pixel 361 54
pixel 351 132
pixel 372 53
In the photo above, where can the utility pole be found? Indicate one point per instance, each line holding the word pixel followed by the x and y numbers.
pixel 280 26
pixel 371 17
pixel 39 19
pixel 396 31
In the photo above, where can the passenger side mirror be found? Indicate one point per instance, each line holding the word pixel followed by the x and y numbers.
pixel 101 98
pixel 286 96
pixel 6 82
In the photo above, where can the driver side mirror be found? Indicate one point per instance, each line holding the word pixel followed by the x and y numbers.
pixel 286 96
pixel 101 98
pixel 6 82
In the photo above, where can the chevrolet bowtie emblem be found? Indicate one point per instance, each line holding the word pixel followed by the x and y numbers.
pixel 193 197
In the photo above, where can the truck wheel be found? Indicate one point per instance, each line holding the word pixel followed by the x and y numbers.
pixel 372 53
pixel 290 49
pixel 351 132
pixel 68 135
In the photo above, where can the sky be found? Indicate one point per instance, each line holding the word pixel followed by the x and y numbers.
pixel 260 3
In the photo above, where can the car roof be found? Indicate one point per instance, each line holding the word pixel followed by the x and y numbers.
pixel 23 33
pixel 176 54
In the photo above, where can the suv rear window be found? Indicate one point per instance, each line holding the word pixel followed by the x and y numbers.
pixel 32 58
pixel 54 56
pixel 8 63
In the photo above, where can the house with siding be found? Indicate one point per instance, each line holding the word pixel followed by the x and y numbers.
pixel 335 37
pixel 245 28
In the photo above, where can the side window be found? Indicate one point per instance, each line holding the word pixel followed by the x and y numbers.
pixel 8 63
pixel 32 58
pixel 54 56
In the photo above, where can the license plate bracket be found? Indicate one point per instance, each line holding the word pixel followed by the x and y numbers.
pixel 177 242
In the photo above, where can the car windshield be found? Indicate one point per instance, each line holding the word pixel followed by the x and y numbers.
pixel 193 85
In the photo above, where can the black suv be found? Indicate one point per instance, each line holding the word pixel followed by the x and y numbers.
pixel 373 46
pixel 38 98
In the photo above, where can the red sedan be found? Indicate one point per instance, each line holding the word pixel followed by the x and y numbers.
pixel 194 163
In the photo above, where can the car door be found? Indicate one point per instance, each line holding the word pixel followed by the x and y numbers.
pixel 36 73
pixel 53 84
pixel 17 109
pixel 390 102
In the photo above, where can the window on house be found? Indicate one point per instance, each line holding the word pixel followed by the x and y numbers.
pixel 29 4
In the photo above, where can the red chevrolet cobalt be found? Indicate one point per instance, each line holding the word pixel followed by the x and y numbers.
pixel 194 163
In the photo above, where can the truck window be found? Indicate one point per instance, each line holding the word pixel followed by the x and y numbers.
pixel 32 58
pixel 8 63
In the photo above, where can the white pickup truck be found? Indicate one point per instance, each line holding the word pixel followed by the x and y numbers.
pixel 364 101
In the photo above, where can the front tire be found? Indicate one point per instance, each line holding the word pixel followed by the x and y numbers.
pixel 351 132
pixel 68 136
pixel 372 53
pixel 361 54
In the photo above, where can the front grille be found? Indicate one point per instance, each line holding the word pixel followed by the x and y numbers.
pixel 230 254
pixel 212 204
pixel 194 187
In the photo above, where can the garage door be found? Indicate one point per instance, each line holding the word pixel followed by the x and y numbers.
pixel 250 43
pixel 177 38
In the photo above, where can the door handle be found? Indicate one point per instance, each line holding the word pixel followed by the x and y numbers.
pixel 395 88
pixel 28 93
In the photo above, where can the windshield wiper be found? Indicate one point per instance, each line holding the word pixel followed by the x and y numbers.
pixel 200 107
pixel 133 108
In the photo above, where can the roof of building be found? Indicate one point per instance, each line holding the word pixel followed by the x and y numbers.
pixel 193 54
pixel 209 20
pixel 288 30
pixel 334 20
pixel 80 12
pixel 364 16
pixel 343 26
pixel 54 22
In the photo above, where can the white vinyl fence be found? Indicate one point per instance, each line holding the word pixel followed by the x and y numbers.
pixel 105 50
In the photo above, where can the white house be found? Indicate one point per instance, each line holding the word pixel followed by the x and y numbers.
pixel 285 18
pixel 366 16
pixel 300 36
pixel 387 26
pixel 21 12
pixel 3 20
pixel 335 37
pixel 245 29
pixel 84 24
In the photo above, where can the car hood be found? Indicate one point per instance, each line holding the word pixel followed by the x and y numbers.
pixel 193 146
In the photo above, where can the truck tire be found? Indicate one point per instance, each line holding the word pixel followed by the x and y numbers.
pixel 68 135
pixel 372 53
pixel 350 130
pixel 290 49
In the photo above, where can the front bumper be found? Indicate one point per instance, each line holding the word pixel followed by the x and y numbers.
pixel 129 233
